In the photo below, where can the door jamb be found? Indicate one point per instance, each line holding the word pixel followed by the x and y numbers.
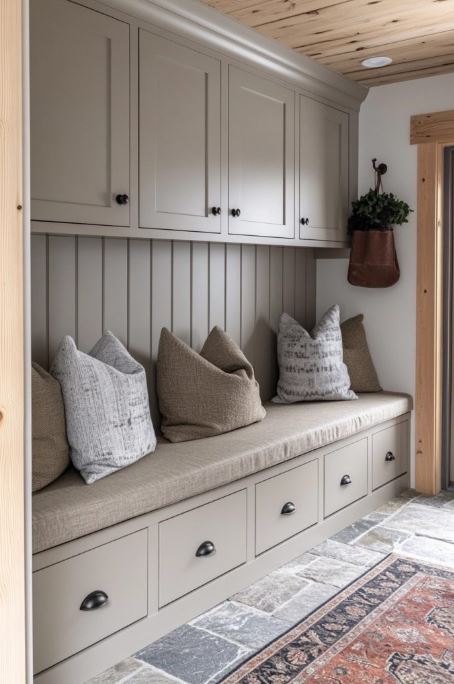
pixel 432 133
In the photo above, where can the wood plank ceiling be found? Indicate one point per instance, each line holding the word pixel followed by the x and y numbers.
pixel 417 34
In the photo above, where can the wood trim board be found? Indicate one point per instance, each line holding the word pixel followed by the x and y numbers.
pixel 12 422
pixel 432 132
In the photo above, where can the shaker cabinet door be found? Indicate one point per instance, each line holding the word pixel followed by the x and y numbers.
pixel 323 172
pixel 180 137
pixel 261 157
pixel 79 61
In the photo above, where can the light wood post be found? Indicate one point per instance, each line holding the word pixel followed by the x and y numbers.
pixel 428 322
pixel 432 133
pixel 12 515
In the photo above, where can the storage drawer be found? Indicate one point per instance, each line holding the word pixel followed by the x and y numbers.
pixel 60 626
pixel 285 505
pixel 389 454
pixel 200 545
pixel 345 476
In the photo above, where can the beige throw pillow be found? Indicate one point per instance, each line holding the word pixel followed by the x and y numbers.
pixel 357 358
pixel 50 449
pixel 206 394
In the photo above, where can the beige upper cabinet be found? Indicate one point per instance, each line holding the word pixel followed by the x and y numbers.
pixel 180 137
pixel 79 115
pixel 323 172
pixel 261 157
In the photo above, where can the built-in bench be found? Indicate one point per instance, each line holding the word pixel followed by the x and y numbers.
pixel 190 524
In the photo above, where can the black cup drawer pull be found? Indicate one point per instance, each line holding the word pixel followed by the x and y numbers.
pixel 346 480
pixel 95 600
pixel 205 549
pixel 390 457
pixel 288 508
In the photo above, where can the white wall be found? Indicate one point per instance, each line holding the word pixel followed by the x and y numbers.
pixel 390 314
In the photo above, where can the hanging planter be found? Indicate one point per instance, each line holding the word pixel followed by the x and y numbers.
pixel 373 258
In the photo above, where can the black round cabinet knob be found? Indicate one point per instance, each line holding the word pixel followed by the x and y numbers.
pixel 236 212
pixel 346 480
pixel 122 199
pixel 304 221
pixel 216 211
pixel 390 457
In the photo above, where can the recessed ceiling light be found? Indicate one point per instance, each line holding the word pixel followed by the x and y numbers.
pixel 375 62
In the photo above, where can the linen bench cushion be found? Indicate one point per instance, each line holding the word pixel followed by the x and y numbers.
pixel 68 509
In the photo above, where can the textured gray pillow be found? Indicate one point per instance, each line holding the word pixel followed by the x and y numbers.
pixel 310 364
pixel 105 394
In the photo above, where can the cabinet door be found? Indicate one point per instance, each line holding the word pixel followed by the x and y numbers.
pixel 79 114
pixel 180 137
pixel 261 157
pixel 323 164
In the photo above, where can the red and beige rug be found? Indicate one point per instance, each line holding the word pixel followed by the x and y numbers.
pixel 394 624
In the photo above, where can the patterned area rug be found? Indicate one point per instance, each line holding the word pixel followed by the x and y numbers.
pixel 394 624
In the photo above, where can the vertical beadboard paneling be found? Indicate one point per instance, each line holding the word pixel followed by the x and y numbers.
pixel 289 280
pixel 81 286
pixel 39 299
pixel 161 308
pixel 311 278
pixel 248 255
pixel 115 288
pixel 276 309
pixel 181 290
pixel 300 286
pixel 62 290
pixel 89 292
pixel 200 295
pixel 139 301
pixel 276 286
pixel 217 285
pixel 262 330
pixel 233 292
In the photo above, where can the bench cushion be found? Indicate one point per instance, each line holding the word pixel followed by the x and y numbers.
pixel 69 508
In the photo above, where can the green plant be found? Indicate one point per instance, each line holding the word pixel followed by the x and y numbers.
pixel 378 211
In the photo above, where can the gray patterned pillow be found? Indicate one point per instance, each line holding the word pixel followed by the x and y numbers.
pixel 105 394
pixel 310 364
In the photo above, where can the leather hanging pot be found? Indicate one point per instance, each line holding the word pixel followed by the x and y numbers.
pixel 373 259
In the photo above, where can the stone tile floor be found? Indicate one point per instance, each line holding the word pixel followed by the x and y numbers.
pixel 206 649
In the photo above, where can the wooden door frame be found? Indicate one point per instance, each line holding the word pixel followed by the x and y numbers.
pixel 432 133
pixel 13 619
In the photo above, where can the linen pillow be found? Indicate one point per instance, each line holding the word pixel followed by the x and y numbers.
pixel 106 404
pixel 310 364
pixel 357 358
pixel 50 448
pixel 206 394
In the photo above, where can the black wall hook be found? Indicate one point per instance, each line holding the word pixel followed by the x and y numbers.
pixel 380 171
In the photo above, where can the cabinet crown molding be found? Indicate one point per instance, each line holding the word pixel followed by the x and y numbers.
pixel 210 27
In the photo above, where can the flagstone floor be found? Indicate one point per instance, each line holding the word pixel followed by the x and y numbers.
pixel 206 649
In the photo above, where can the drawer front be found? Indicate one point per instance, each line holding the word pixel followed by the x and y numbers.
pixel 60 627
pixel 345 476
pixel 200 545
pixel 389 454
pixel 285 505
